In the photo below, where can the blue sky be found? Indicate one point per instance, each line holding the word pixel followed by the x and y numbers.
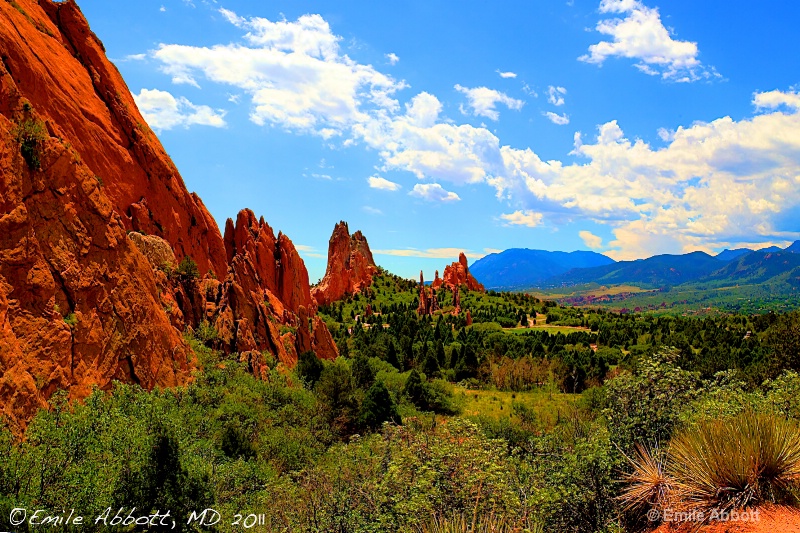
pixel 627 127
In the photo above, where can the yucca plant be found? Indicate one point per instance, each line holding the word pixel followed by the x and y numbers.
pixel 648 486
pixel 749 459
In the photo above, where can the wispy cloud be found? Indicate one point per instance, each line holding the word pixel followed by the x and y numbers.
pixel 561 120
pixel 377 182
pixel 555 95
pixel 430 253
pixel 392 58
pixel 507 74
pixel 483 101
pixel 308 251
pixel 371 210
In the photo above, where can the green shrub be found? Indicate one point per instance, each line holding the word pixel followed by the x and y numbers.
pixel 71 320
pixel 645 406
pixel 309 368
pixel 187 269
pixel 30 134
pixel 206 333
pixel 378 407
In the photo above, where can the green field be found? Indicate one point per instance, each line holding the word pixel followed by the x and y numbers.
pixel 550 329
pixel 549 405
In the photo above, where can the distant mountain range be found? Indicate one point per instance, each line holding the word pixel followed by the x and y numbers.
pixel 523 268
pixel 520 268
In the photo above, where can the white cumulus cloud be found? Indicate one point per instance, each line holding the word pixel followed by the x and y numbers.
pixel 433 192
pixel 163 111
pixel 377 182
pixel 392 58
pixel 483 101
pixel 707 185
pixel 591 240
pixel 523 218
pixel 641 36
pixel 294 73
pixel 507 74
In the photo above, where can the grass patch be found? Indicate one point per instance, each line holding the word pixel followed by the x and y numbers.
pixel 550 329
pixel 547 405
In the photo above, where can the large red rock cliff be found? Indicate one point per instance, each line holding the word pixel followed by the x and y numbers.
pixel 350 266
pixel 81 302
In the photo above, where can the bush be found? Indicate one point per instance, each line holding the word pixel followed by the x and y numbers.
pixel 645 406
pixel 30 133
pixel 378 407
pixel 309 368
pixel 206 333
pixel 187 269
pixel 71 320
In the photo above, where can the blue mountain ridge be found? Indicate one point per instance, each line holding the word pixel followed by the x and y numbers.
pixel 521 268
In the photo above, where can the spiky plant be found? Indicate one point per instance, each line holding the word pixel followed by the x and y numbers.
pixel 749 459
pixel 462 523
pixel 647 485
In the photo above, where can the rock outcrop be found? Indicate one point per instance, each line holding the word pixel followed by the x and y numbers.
pixel 457 275
pixel 350 266
pixel 82 302
pixel 428 302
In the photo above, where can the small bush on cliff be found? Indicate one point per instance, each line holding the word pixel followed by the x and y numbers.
pixel 71 319
pixel 187 269
pixel 30 133
pixel 206 333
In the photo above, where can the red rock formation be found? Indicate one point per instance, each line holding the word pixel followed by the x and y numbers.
pixel 428 303
pixel 61 68
pixel 457 275
pixel 81 303
pixel 423 307
pixel 469 318
pixel 350 266
pixel 437 281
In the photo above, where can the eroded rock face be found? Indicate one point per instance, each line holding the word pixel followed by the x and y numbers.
pixel 350 266
pixel 79 304
pixel 457 275
pixel 82 301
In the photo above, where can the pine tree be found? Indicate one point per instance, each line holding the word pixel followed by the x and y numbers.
pixel 440 356
pixel 414 389
pixel 363 375
pixel 391 356
pixel 378 407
